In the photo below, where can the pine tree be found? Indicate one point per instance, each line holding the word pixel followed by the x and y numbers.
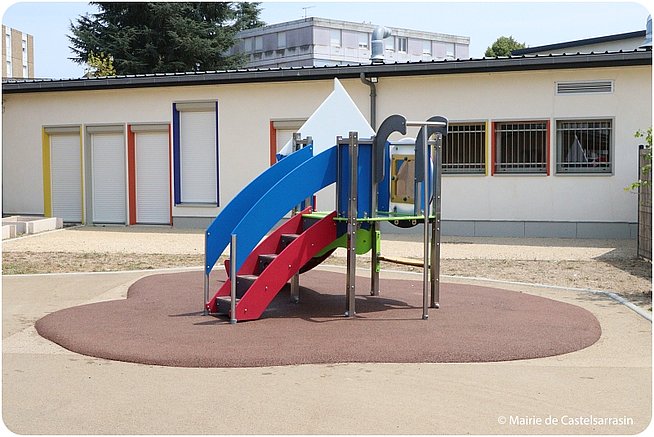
pixel 163 37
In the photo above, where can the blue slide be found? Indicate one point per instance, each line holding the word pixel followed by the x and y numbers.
pixel 265 201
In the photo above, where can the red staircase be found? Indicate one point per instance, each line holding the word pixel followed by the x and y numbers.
pixel 272 263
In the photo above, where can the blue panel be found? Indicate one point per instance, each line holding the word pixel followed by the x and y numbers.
pixel 219 232
pixel 364 180
pixel 430 181
pixel 176 154
pixel 300 183
pixel 384 187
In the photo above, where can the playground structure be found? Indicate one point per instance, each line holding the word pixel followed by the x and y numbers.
pixel 368 175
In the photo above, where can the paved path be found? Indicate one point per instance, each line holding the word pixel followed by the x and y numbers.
pixel 47 389
pixel 144 239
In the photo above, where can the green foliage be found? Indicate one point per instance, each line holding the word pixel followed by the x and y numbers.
pixel 646 169
pixel 99 65
pixel 163 37
pixel 503 46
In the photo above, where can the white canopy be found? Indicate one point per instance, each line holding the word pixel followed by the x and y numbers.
pixel 336 115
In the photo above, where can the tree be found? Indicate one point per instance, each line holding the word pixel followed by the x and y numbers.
pixel 163 37
pixel 99 66
pixel 503 46
pixel 646 169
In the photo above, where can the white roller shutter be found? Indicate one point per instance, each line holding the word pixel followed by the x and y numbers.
pixel 198 157
pixel 66 177
pixel 283 137
pixel 152 178
pixel 108 170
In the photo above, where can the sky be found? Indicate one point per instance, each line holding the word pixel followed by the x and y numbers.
pixel 534 23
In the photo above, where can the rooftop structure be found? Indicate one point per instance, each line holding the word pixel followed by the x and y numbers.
pixel 322 42
pixel 17 54
pixel 622 41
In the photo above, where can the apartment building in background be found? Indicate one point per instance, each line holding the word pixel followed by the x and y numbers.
pixel 17 54
pixel 319 42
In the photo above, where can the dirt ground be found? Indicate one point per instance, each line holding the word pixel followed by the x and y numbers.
pixel 608 265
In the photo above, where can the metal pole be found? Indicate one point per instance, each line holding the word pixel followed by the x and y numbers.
pixel 295 280
pixel 232 277
pixel 206 278
pixel 295 146
pixel 352 225
pixel 295 288
pixel 436 225
pixel 374 270
pixel 425 211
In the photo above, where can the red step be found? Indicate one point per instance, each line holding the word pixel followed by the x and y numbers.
pixel 268 270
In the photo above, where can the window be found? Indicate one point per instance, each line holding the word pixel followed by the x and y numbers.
pixel 426 47
pixel 8 53
pixel 335 37
pixel 402 44
pixel 363 40
pixel 449 50
pixel 389 43
pixel 247 44
pixel 281 40
pixel 258 43
pixel 521 147
pixel 464 151
pixel 583 146
pixel 195 152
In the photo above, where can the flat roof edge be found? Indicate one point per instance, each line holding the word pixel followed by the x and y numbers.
pixel 525 63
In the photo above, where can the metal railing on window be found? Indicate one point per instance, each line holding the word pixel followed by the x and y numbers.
pixel 583 146
pixel 464 151
pixel 521 147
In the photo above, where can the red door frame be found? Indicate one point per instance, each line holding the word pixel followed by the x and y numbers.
pixel 131 174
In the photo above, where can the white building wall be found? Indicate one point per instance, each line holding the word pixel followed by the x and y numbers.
pixel 245 111
pixel 532 96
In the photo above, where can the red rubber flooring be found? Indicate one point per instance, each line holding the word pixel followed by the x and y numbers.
pixel 161 323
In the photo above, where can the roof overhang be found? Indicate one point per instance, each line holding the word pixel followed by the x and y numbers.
pixel 484 65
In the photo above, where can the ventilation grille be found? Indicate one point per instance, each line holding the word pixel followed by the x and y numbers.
pixel 596 86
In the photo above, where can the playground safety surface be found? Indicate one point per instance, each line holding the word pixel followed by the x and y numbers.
pixel 161 323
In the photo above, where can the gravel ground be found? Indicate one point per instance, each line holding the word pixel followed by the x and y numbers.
pixel 597 264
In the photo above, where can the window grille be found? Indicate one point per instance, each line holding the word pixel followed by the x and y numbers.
pixel 521 147
pixel 584 146
pixel 464 151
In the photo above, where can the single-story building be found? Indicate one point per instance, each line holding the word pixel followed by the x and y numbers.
pixel 538 145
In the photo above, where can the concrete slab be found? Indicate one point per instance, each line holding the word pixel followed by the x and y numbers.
pixel 74 394
pixel 8 231
pixel 30 224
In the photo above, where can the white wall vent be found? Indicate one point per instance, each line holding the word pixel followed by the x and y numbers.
pixel 586 87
